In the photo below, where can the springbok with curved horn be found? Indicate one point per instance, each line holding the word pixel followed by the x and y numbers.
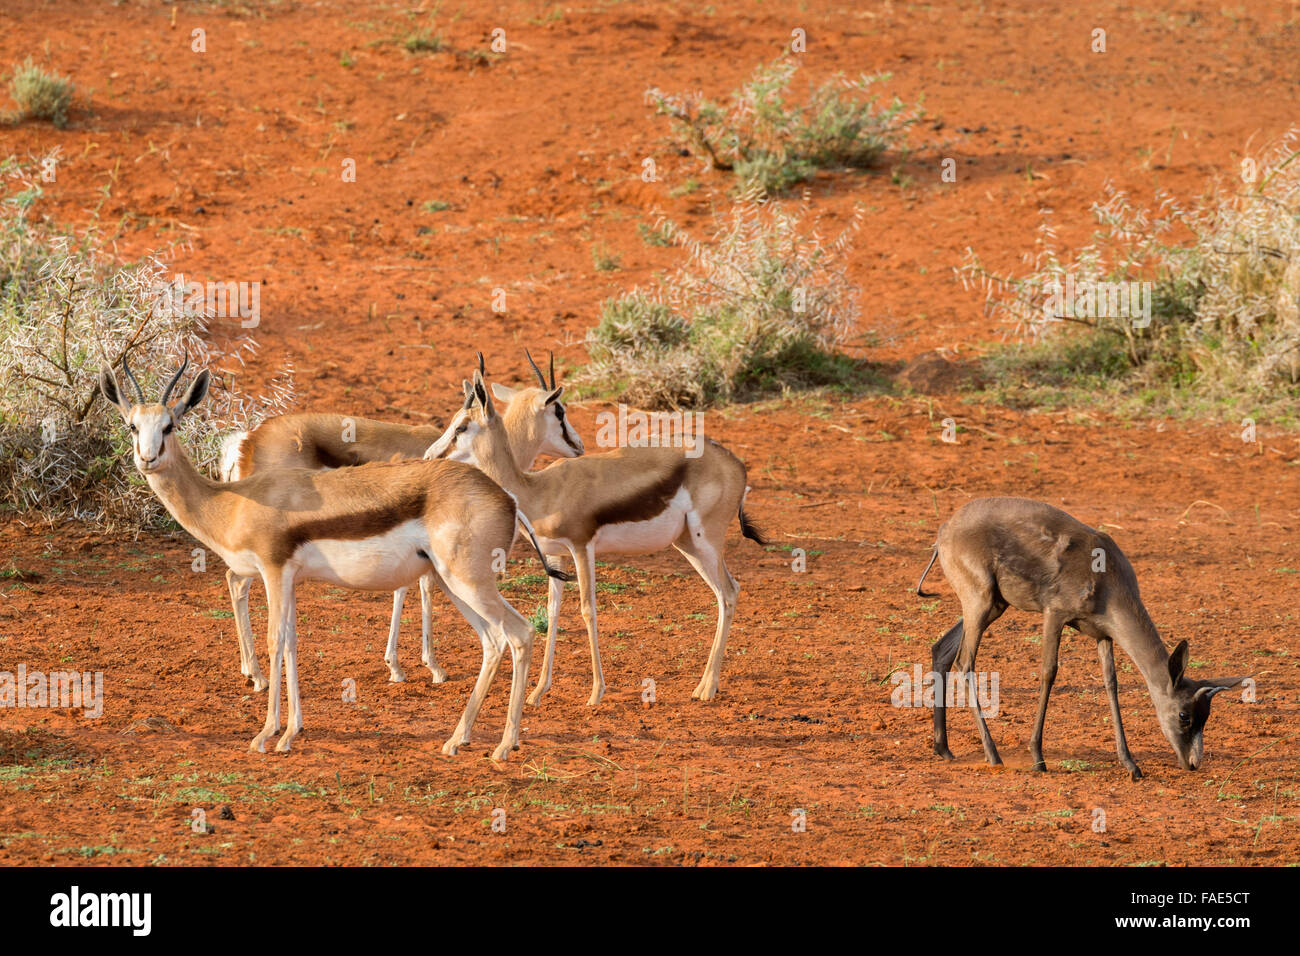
pixel 373 527
pixel 536 425
pixel 627 501
pixel 1016 552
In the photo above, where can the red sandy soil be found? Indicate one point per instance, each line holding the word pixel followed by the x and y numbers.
pixel 379 305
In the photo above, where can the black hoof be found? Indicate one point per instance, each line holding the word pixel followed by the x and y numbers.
pixel 1040 766
pixel 944 752
pixel 1137 774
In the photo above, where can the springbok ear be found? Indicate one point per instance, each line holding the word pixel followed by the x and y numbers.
pixel 109 388
pixel 1178 662
pixel 555 396
pixel 469 393
pixel 502 393
pixel 193 395
pixel 481 394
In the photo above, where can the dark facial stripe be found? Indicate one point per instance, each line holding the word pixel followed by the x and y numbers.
pixel 349 527
pixel 559 413
pixel 643 504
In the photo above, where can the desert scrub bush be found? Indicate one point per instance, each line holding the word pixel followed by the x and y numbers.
pixel 759 308
pixel 1223 280
pixel 66 307
pixel 40 95
pixel 766 141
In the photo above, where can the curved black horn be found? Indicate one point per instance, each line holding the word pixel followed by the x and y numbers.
pixel 540 377
pixel 175 378
pixel 131 375
pixel 552 371
pixel 481 370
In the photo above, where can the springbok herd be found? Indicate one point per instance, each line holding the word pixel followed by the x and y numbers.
pixel 370 505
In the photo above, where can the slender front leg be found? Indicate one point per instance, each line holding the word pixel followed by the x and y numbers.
pixel 275 636
pixel 1052 624
pixel 290 626
pixel 1106 651
pixel 586 567
pixel 395 674
pixel 248 663
pixel 554 598
pixel 426 629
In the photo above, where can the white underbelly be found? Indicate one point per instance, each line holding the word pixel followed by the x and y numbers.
pixel 243 563
pixel 385 562
pixel 642 537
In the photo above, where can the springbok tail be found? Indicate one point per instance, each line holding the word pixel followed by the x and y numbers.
pixel 926 594
pixel 747 527
pixel 550 571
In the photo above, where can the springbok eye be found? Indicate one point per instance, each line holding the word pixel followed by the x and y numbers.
pixel 1183 718
pixel 459 430
pixel 133 429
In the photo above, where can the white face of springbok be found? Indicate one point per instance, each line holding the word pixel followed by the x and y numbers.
pixel 153 426
pixel 539 415
pixel 535 420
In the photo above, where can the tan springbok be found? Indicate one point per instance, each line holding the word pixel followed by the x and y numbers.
pixel 373 527
pixel 1015 552
pixel 627 501
pixel 535 423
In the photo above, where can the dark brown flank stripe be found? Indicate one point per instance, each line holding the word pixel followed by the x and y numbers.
pixel 349 527
pixel 327 459
pixel 640 505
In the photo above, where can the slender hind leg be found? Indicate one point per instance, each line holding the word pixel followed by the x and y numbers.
pixel 487 670
pixel 248 664
pixel 498 625
pixel 395 673
pixel 980 611
pixel 426 630
pixel 942 654
pixel 707 560
pixel 585 564
pixel 1052 624
pixel 1106 651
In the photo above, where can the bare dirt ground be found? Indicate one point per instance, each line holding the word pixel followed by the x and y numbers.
pixel 380 304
